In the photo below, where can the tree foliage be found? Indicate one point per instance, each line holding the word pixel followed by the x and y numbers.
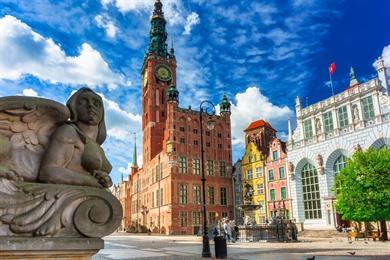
pixel 363 186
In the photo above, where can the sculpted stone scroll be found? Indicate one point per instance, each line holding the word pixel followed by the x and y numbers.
pixel 53 171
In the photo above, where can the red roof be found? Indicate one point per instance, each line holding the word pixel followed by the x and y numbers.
pixel 257 124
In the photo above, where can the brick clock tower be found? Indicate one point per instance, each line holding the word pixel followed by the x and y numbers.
pixel 158 74
pixel 165 193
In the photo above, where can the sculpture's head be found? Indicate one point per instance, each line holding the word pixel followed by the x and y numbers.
pixel 86 106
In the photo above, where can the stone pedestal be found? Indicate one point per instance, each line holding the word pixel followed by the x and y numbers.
pixel 49 248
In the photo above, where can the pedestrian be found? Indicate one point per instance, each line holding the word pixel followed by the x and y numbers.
pixel 215 232
pixel 344 228
pixel 294 231
pixel 236 231
pixel 227 230
pixel 232 224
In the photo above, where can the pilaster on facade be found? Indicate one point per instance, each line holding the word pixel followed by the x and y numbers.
pixel 364 121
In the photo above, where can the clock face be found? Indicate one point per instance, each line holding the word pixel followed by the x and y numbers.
pixel 163 73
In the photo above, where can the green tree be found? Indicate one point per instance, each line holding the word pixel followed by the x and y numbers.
pixel 363 187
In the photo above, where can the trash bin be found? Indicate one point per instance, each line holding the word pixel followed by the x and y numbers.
pixel 220 247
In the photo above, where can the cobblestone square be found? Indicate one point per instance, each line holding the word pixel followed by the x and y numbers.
pixel 126 246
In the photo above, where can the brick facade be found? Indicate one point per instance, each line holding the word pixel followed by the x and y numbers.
pixel 165 194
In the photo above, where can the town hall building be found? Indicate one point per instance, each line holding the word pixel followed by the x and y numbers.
pixel 165 193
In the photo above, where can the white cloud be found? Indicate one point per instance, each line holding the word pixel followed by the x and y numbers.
pixel 173 9
pixel 29 92
pixel 192 20
pixel 23 51
pixel 120 123
pixel 266 12
pixel 386 56
pixel 105 22
pixel 252 105
pixel 279 36
pixel 128 5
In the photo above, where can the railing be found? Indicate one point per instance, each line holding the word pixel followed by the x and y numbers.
pixel 257 233
pixel 364 87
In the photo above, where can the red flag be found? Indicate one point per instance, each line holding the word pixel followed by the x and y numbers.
pixel 332 68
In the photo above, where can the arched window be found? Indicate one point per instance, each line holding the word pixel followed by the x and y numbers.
pixel 339 164
pixel 311 192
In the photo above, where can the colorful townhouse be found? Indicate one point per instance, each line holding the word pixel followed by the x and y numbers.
pixel 278 199
pixel 257 137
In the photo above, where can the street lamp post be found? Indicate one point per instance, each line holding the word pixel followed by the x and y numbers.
pixel 208 108
pixel 159 192
pixel 137 187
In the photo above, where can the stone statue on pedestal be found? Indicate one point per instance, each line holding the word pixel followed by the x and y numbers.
pixel 54 174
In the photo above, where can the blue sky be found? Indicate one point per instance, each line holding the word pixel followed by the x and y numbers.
pixel 262 54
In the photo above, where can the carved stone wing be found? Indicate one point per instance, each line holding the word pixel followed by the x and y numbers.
pixel 26 124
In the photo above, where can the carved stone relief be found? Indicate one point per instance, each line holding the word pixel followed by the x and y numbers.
pixel 53 171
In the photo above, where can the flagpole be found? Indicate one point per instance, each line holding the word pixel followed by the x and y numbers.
pixel 331 83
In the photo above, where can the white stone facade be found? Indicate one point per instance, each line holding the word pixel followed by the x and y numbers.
pixel 367 109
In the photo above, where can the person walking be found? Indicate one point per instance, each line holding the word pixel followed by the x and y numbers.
pixel 236 232
pixel 294 231
pixel 227 230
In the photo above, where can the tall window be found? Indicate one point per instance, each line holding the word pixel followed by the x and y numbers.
pixel 328 122
pixel 282 174
pixel 183 194
pixel 157 198
pixel 368 108
pixel 260 188
pixel 272 194
pixel 196 166
pixel 157 172
pixel 183 218
pixel 153 178
pixel 275 155
pixel 259 172
pixel 311 192
pixel 196 217
pixel 283 193
pixel 222 168
pixel 339 164
pixel 223 196
pixel 210 167
pixel 271 176
pixel 196 194
pixel 307 129
pixel 249 174
pixel 212 219
pixel 183 164
pixel 211 195
pixel 343 116
pixel 161 196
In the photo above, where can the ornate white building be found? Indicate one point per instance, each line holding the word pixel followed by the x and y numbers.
pixel 327 133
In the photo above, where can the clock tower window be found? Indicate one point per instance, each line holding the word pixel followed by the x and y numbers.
pixel 157 97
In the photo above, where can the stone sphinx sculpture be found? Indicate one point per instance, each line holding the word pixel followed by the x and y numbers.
pixel 53 171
